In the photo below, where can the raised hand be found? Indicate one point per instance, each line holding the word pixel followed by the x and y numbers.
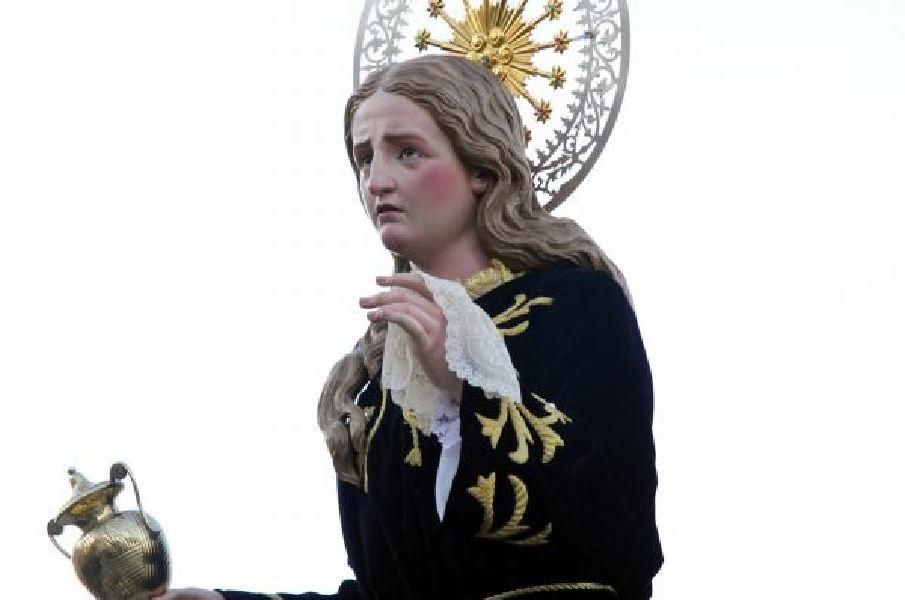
pixel 409 304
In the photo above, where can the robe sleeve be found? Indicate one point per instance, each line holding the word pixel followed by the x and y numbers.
pixel 348 590
pixel 569 475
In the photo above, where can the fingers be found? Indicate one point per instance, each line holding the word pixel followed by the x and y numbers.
pixel 412 298
pixel 412 281
pixel 410 318
pixel 403 295
pixel 410 305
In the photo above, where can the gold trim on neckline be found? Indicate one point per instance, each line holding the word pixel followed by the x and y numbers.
pixel 488 278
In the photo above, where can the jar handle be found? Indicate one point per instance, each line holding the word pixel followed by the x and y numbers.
pixel 118 472
pixel 53 530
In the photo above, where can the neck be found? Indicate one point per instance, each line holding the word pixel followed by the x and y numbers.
pixel 457 261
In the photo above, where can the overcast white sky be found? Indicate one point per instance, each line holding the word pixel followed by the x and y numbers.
pixel 181 253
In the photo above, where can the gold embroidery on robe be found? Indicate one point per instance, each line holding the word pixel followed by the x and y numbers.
pixel 521 417
pixel 484 491
pixel 552 587
pixel 520 308
pixel 369 411
pixel 487 279
pixel 413 458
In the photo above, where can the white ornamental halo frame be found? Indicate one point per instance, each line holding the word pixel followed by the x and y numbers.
pixel 566 155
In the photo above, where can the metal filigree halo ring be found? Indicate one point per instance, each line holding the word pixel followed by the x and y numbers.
pixel 566 62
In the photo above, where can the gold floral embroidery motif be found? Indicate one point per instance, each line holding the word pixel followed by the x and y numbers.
pixel 413 458
pixel 521 417
pixel 369 412
pixel 484 491
pixel 520 308
pixel 487 279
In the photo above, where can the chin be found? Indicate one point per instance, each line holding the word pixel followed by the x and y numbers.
pixel 395 243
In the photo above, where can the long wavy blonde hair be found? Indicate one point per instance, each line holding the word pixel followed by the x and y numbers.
pixel 480 118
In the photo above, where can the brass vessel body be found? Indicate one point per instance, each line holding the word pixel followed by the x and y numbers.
pixel 122 559
pixel 120 555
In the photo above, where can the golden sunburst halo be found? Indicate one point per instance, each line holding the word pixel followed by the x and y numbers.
pixel 500 37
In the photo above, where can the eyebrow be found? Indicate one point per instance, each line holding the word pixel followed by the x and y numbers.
pixel 391 138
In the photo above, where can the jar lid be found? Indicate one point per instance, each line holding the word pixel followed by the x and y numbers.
pixel 88 499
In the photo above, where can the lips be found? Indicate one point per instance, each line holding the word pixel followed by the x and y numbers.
pixel 386 208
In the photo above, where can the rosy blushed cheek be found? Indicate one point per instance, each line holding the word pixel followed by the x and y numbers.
pixel 440 181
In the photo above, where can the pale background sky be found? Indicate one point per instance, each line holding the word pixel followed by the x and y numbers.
pixel 181 253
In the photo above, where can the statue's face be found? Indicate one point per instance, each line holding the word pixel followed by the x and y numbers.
pixel 417 193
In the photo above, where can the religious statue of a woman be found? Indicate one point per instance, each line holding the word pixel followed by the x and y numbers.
pixel 491 430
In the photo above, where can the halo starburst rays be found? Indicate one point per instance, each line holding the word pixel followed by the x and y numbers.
pixel 500 37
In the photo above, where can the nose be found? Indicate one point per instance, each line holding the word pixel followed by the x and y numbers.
pixel 380 181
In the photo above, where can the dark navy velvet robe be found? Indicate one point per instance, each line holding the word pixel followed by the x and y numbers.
pixel 552 498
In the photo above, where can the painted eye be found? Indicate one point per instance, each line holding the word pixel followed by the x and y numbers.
pixel 364 161
pixel 410 152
